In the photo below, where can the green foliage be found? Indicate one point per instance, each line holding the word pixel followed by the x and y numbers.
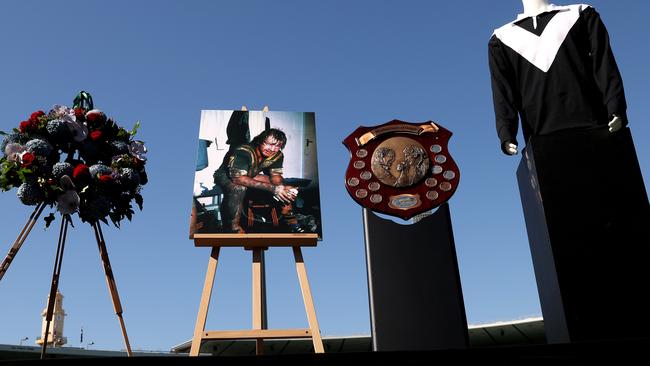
pixel 9 175
pixel 123 161
pixel 23 174
pixel 135 128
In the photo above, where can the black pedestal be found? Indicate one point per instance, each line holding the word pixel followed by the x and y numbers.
pixel 416 301
pixel 588 222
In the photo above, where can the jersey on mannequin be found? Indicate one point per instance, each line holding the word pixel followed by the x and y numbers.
pixel 553 69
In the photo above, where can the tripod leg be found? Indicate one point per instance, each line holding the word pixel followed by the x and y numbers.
pixel 21 239
pixel 55 282
pixel 112 286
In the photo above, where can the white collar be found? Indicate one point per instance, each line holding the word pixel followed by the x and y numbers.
pixel 541 50
pixel 549 8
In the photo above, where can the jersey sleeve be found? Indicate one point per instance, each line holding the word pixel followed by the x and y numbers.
pixel 504 93
pixel 606 73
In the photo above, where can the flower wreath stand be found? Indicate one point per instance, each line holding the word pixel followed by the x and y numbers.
pixel 102 174
pixel 103 253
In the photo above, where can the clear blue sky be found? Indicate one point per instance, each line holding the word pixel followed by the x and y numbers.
pixel 353 63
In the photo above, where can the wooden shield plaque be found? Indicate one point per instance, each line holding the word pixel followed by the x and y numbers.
pixel 401 168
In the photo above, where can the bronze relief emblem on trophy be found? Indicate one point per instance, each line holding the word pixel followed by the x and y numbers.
pixel 401 168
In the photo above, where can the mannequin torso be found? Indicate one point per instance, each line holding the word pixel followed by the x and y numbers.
pixel 519 45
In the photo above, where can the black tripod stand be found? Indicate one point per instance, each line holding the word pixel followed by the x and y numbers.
pixel 101 244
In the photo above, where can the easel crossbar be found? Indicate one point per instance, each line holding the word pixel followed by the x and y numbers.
pixel 255 240
pixel 257 334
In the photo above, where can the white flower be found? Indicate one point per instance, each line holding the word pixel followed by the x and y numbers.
pixel 79 130
pixel 63 113
pixel 59 110
pixel 14 152
pixel 69 118
pixel 13 148
pixel 68 202
pixel 137 149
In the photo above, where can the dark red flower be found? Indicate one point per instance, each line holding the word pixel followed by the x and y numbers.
pixel 80 113
pixel 24 126
pixel 80 171
pixel 95 116
pixel 28 159
pixel 96 135
pixel 106 178
pixel 35 115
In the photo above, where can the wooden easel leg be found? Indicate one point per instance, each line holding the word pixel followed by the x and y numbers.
pixel 258 298
pixel 205 302
pixel 110 281
pixel 21 239
pixel 58 260
pixel 308 300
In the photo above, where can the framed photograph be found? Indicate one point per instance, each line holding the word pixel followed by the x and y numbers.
pixel 256 173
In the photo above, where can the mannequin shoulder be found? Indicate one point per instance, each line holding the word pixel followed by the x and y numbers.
pixel 579 8
pixel 502 30
pixel 494 42
pixel 586 12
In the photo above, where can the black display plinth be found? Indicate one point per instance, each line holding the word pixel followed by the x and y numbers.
pixel 588 222
pixel 416 301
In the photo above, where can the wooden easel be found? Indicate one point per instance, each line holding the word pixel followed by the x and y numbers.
pixel 257 243
pixel 101 244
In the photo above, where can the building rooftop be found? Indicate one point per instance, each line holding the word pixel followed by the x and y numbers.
pixel 508 333
pixel 517 332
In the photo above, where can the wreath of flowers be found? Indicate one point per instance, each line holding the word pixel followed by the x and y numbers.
pixel 76 159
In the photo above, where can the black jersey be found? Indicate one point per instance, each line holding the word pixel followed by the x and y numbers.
pixel 554 71
pixel 244 161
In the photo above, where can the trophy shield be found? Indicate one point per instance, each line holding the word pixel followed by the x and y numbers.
pixel 401 168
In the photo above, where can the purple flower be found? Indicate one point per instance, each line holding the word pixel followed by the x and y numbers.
pixel 13 151
pixel 137 149
pixel 63 113
pixel 67 116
